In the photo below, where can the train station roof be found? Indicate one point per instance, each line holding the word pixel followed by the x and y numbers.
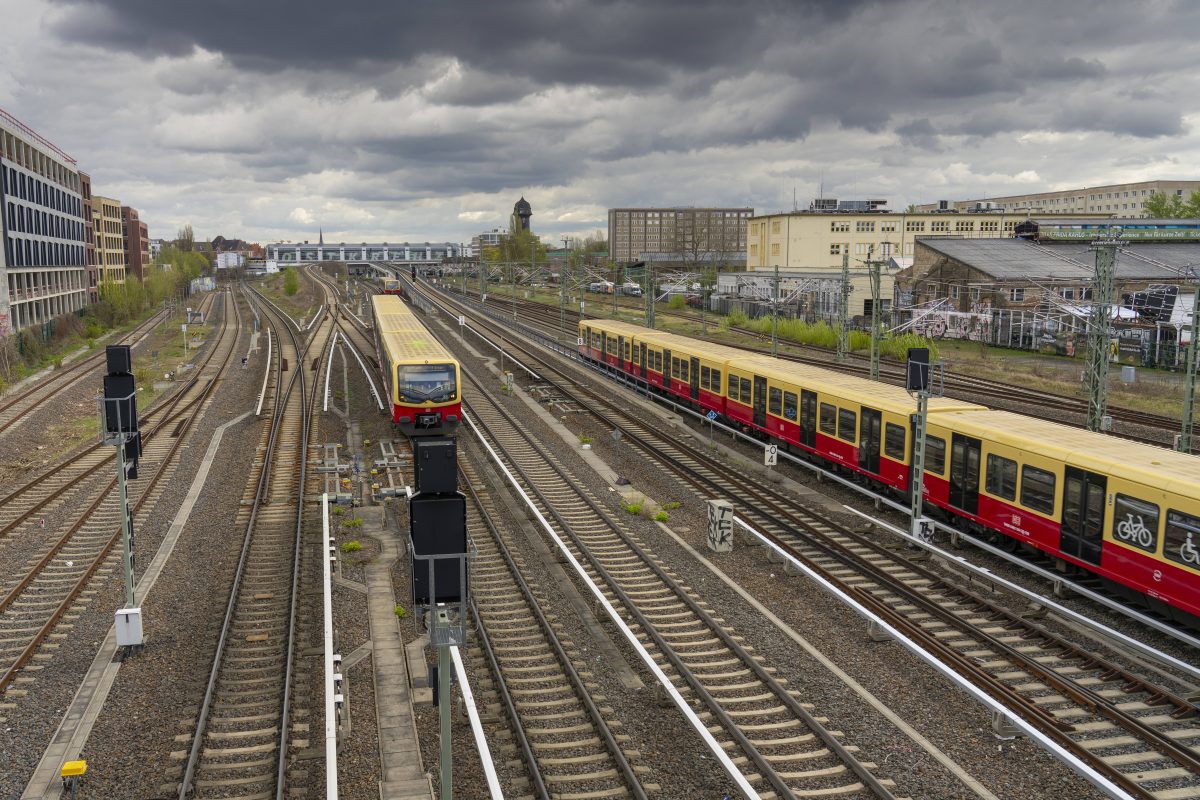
pixel 1019 259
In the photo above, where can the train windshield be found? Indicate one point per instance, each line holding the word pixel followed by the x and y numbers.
pixel 432 383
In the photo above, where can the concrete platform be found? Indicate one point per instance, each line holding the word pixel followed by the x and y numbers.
pixel 399 753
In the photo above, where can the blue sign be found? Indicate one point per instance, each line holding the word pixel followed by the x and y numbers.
pixel 711 415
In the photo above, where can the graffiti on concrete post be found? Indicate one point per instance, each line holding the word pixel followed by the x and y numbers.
pixel 720 526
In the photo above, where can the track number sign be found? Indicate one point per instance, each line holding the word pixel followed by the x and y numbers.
pixel 579 341
pixel 462 321
pixel 770 454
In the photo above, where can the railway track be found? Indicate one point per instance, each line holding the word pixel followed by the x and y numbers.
pixel 63 566
pixel 1142 736
pixel 565 736
pixel 784 749
pixel 240 745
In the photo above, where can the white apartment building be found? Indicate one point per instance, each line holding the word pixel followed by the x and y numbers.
pixel 1118 199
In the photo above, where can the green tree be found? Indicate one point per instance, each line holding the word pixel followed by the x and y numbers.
pixel 185 238
pixel 1163 206
pixel 911 208
pixel 291 284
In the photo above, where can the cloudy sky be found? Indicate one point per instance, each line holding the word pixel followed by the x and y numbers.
pixel 415 121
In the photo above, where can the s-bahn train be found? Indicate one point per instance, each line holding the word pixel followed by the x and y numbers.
pixel 422 377
pixel 391 286
pixel 1128 513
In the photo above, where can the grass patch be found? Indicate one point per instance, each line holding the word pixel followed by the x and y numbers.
pixel 400 612
pixel 353 523
pixel 352 546
pixel 633 508
pixel 662 516
pixel 584 438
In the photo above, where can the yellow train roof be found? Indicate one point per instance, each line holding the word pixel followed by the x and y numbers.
pixel 403 335
pixel 1143 463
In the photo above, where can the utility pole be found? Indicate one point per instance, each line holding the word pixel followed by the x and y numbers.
pixel 919 381
pixel 843 342
pixel 1189 387
pixel 563 271
pixel 874 266
pixel 462 267
pixel 482 278
pixel 650 292
pixel 1098 330
pixel 775 315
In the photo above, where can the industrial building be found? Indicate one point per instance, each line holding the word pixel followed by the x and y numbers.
pixel 1118 199
pixel 43 265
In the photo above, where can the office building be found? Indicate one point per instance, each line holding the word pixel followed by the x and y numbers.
pixel 684 235
pixel 137 243
pixel 110 239
pixel 43 263
pixel 1118 199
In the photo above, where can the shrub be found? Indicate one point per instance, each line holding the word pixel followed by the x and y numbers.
pixel 662 516
pixel 633 507
pixel 400 612
pixel 584 438
pixel 291 284
pixel 677 302
pixel 737 318
pixel 352 523
pixel 352 546
pixel 671 506
pixel 338 511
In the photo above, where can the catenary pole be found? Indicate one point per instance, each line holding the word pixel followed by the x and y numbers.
pixel 1099 327
pixel 843 340
pixel 874 266
pixel 1189 386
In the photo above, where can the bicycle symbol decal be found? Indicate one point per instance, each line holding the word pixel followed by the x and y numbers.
pixel 1136 532
pixel 1188 551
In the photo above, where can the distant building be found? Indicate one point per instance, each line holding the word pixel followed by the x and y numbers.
pixel 426 252
pixel 686 235
pixel 230 260
pixel 486 239
pixel 522 212
pixel 137 243
pixel 43 220
pixel 156 246
pixel 1118 199
pixel 110 238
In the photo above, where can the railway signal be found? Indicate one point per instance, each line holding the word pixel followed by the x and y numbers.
pixel 120 429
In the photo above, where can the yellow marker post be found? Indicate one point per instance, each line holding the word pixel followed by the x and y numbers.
pixel 71 773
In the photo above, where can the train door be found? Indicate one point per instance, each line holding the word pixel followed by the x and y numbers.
pixel 666 372
pixel 694 377
pixel 869 435
pixel 964 473
pixel 808 418
pixel 760 401
pixel 642 348
pixel 1083 515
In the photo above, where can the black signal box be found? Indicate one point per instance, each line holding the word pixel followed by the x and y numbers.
pixel 435 461
pixel 119 358
pixel 917 375
pixel 438 527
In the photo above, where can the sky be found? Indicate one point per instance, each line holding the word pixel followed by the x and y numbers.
pixel 425 121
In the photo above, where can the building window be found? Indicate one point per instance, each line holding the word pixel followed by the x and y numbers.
pixel 774 226
pixel 887 227
pixel 954 291
pixel 775 248
pixel 940 226
pixel 753 249
pixel 914 227
pixel 964 226
pixel 835 249
pixel 1068 294
pixel 839 227
pixel 989 225
pixel 1017 294
pixel 865 227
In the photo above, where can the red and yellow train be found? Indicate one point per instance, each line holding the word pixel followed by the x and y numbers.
pixel 1126 512
pixel 422 376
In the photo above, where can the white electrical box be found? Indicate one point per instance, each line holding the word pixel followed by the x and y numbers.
pixel 129 627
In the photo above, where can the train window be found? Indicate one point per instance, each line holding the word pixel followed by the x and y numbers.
pixel 935 454
pixel 1037 489
pixel 626 354
pixel 684 369
pixel 1002 477
pixel 734 388
pixel 893 441
pixel 1182 541
pixel 715 382
pixel 658 361
pixel 704 372
pixel 828 419
pixel 1135 522
pixel 847 425
pixel 674 367
pixel 746 396
pixel 789 405
pixel 775 401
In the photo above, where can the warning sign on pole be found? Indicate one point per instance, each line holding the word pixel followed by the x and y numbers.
pixel 770 454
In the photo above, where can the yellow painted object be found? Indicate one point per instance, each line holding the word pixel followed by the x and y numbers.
pixel 73 769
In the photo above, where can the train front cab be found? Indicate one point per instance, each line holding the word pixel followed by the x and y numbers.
pixel 418 417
